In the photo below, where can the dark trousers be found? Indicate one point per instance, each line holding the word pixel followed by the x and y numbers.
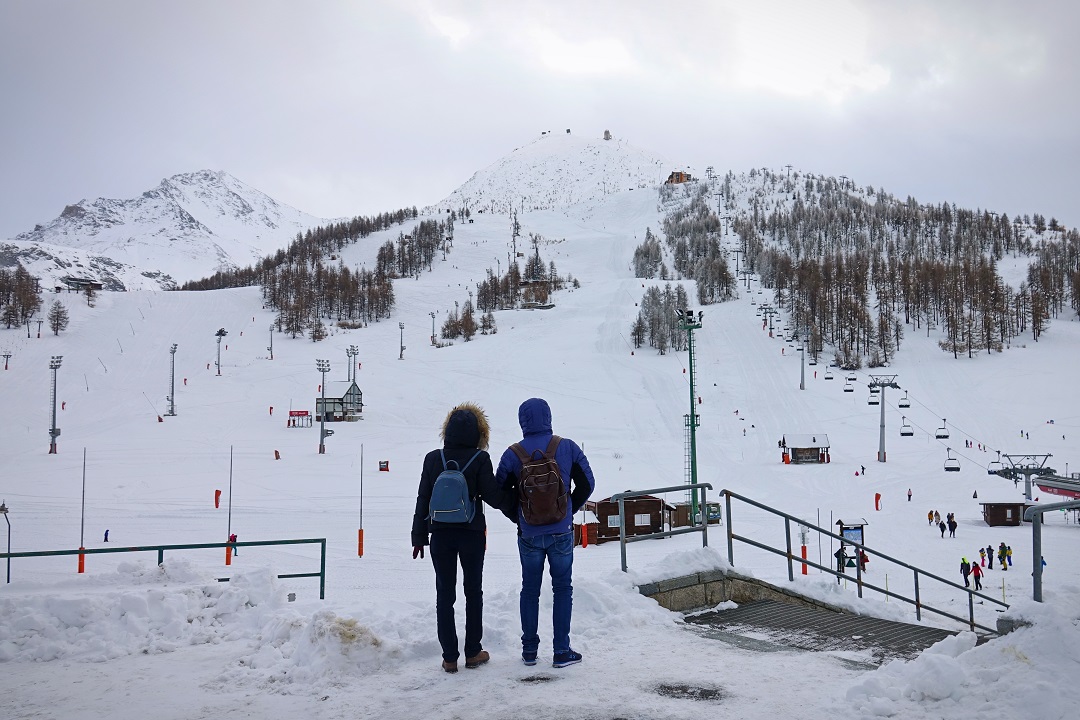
pixel 448 548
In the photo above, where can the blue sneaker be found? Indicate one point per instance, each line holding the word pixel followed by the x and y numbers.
pixel 569 657
pixel 528 658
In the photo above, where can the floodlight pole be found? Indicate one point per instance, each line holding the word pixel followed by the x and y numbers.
pixel 54 432
pixel 432 314
pixel 882 381
pixel 271 347
pixel 687 323
pixel 352 352
pixel 220 334
pixel 4 512
pixel 171 412
pixel 401 327
pixel 802 364
pixel 323 367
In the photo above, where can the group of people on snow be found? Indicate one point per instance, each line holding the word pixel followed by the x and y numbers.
pixel 949 523
pixel 465 434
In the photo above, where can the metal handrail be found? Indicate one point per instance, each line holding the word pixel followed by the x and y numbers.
pixel 196 546
pixel 692 487
pixel 792 561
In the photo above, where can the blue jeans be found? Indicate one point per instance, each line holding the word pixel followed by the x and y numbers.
pixel 558 550
pixel 448 548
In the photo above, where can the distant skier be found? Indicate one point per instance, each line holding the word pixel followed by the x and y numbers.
pixel 937 517
pixel 965 570
pixel 977 573
pixel 863 467
pixel 909 494
pixel 1008 554
pixel 863 560
pixel 990 556
pixel 941 527
pixel 232 539
pixel 982 556
pixel 930 518
pixel 952 527
pixel 106 535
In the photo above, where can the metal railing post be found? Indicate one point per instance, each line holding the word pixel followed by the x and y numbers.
pixel 787 537
pixel 918 602
pixel 705 527
pixel 161 557
pixel 322 569
pixel 730 530
pixel 622 534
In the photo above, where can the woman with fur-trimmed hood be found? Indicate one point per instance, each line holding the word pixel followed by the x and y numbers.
pixel 465 435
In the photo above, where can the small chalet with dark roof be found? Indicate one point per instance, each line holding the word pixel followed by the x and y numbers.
pixel 803 449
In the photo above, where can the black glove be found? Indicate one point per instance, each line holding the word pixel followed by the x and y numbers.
pixel 417 550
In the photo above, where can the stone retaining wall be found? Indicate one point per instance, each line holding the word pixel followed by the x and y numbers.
pixel 707 589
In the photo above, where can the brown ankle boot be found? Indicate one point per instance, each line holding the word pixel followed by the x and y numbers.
pixel 450 667
pixel 477 660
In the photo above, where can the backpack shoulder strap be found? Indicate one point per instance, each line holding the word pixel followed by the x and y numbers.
pixel 471 459
pixel 552 445
pixel 520 452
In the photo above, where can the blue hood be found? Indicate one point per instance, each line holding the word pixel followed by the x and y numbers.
pixel 534 416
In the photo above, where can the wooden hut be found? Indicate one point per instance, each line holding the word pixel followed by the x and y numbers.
pixel 678 176
pixel 644 515
pixel 801 449
pixel 679 516
pixel 585 525
pixel 1003 513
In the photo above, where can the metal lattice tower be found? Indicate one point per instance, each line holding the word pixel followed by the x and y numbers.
pixel 1026 465
pixel 687 323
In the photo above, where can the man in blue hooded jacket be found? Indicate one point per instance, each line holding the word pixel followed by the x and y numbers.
pixel 553 542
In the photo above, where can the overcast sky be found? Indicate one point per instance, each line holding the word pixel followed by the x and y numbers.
pixel 345 108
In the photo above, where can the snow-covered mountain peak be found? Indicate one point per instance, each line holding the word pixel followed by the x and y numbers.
pixel 559 169
pixel 190 226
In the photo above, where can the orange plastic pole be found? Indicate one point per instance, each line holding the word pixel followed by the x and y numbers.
pixel 584 535
pixel 82 561
pixel 804 557
pixel 228 554
pixel 360 542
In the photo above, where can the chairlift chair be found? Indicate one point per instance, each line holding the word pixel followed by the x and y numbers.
pixel 904 402
pixel 951 463
pixel 811 361
pixel 828 375
pixel 995 466
pixel 873 400
pixel 874 389
pixel 905 429
pixel 852 377
pixel 942 432
pixel 848 387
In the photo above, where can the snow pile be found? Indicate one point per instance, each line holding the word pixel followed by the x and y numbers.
pixel 1030 672
pixel 102 622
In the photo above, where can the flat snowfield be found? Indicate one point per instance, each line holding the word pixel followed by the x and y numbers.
pixel 130 640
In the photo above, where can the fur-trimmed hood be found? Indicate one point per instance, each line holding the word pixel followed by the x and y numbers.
pixel 466 426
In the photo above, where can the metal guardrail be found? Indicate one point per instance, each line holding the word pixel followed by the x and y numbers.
pixel 703 528
pixel 1034 515
pixel 792 560
pixel 160 549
